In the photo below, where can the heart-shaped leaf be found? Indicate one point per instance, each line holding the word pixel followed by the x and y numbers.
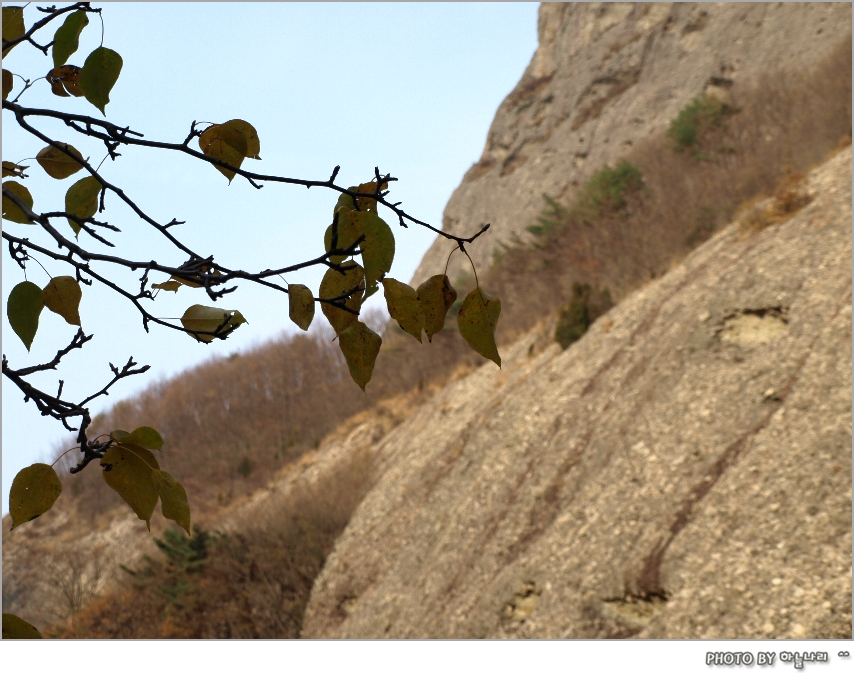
pixel 144 438
pixel 334 284
pixel 11 211
pixel 300 305
pixel 33 492
pixel 99 74
pixel 15 627
pixel 8 84
pixel 62 296
pixel 208 319
pixel 128 472
pixel 403 306
pixel 360 346
pixel 23 308
pixel 477 319
pixel 66 38
pixel 13 25
pixel 436 296
pixel 81 200
pixel 57 164
pixel 378 246
pixel 173 499
pixel 250 146
pixel 230 142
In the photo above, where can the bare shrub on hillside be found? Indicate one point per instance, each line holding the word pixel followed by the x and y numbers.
pixel 251 585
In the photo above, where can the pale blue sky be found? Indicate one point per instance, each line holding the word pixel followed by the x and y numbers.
pixel 409 87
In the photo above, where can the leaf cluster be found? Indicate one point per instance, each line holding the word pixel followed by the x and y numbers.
pixel 359 250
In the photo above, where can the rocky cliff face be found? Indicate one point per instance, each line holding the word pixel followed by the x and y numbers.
pixel 682 471
pixel 606 75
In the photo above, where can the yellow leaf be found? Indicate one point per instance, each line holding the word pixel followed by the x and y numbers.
pixel 360 346
pixel 348 232
pixel 403 306
pixel 334 284
pixel 378 246
pixel 346 201
pixel 33 492
pixel 11 170
pixel 200 318
pixel 368 204
pixel 169 286
pixel 477 319
pixel 128 472
pixel 62 296
pixel 250 146
pixel 57 164
pixel 226 144
pixel 11 212
pixel 436 296
pixel 13 25
pixel 16 628
pixel 300 305
pixel 173 499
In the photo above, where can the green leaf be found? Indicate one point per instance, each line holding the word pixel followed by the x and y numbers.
pixel 65 40
pixel 23 308
pixel 169 286
pixel 346 201
pixel 33 492
pixel 98 76
pixel 81 199
pixel 62 295
pixel 477 319
pixel 378 246
pixel 300 305
pixel 436 296
pixel 15 627
pixel 348 232
pixel 8 84
pixel 173 499
pixel 144 438
pixel 118 435
pixel 13 25
pixel 334 284
pixel 57 164
pixel 128 472
pixel 11 170
pixel 11 212
pixel 403 306
pixel 208 319
pixel 360 346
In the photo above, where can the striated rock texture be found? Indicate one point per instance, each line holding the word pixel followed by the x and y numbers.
pixel 606 75
pixel 682 471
